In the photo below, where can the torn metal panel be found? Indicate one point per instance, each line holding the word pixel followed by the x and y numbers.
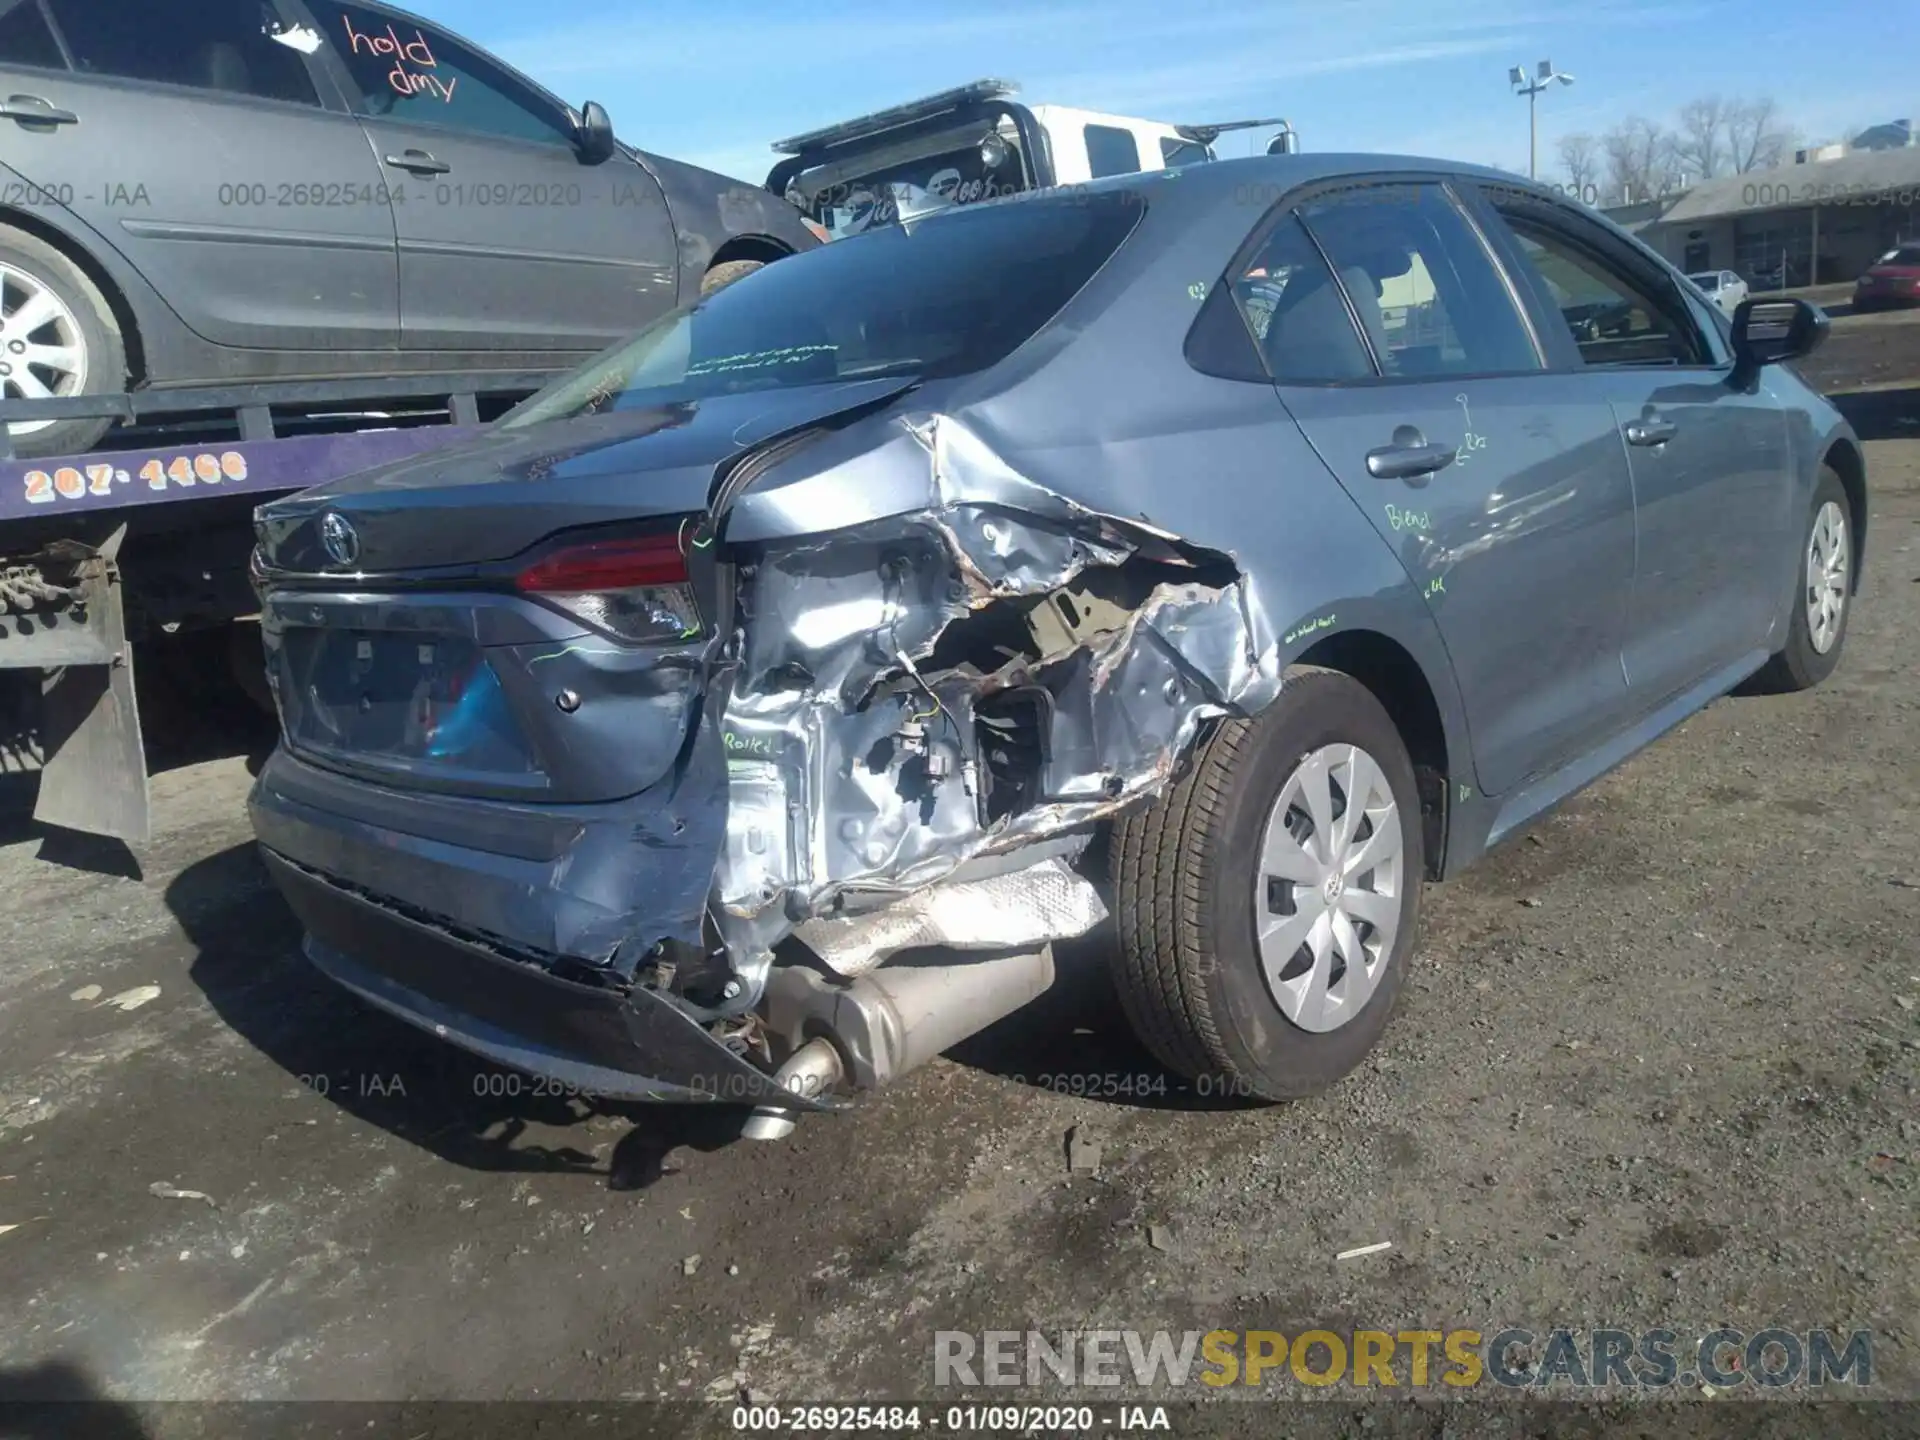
pixel 1046 901
pixel 918 689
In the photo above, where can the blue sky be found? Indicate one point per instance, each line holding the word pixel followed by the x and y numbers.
pixel 716 84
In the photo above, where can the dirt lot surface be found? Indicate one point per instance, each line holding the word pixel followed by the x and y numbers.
pixel 1655 1065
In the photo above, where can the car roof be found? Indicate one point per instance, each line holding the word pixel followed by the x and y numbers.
pixel 1276 174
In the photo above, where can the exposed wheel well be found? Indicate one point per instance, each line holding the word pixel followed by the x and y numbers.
pixel 1398 683
pixel 1846 462
pixel 749 247
pixel 122 312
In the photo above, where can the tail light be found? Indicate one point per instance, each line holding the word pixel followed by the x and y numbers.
pixel 637 589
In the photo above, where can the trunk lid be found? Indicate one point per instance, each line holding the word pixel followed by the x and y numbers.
pixel 492 497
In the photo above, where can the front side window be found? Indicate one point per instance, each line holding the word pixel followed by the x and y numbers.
pixel 951 294
pixel 1420 281
pixel 1614 317
pixel 1111 151
pixel 235 47
pixel 407 72
pixel 26 38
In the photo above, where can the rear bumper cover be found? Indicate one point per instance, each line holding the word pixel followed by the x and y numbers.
pixel 363 890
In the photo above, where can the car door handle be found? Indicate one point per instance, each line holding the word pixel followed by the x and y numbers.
pixel 419 162
pixel 1650 431
pixel 37 109
pixel 1403 462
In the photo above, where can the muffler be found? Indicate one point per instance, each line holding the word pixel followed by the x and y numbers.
pixel 871 1031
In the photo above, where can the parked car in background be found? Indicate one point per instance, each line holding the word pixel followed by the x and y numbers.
pixel 1893 279
pixel 1723 287
pixel 840 616
pixel 240 190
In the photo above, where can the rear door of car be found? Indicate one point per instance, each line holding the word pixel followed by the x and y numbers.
pixel 1503 488
pixel 1711 463
pixel 508 240
pixel 201 143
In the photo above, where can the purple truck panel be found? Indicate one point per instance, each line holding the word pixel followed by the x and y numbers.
pixel 160 475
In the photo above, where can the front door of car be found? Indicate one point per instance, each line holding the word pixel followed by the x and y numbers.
pixel 509 241
pixel 1502 489
pixel 1711 463
pixel 196 141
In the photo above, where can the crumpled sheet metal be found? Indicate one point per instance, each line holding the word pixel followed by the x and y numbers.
pixel 1045 902
pixel 856 769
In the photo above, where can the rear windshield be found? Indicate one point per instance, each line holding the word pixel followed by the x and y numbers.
pixel 1903 255
pixel 948 295
pixel 1705 281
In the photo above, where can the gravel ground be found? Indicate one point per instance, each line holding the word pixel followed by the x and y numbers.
pixel 1655 1065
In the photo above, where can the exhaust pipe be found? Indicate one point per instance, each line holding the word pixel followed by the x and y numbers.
pixel 814 1069
pixel 888 1022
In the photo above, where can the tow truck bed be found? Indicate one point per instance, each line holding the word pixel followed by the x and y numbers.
pixel 104 549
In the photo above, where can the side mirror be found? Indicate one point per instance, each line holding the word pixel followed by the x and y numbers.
pixel 594 138
pixel 1765 332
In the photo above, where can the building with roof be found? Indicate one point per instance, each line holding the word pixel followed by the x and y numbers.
pixel 1809 223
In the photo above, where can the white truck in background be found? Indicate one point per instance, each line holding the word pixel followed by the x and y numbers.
pixel 975 142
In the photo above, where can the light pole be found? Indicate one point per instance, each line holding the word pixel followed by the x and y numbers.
pixel 1545 76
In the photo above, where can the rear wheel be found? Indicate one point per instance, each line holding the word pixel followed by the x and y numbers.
pixel 726 273
pixel 58 337
pixel 1823 594
pixel 1266 905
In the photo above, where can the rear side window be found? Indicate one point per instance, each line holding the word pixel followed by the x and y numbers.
pixel 948 295
pixel 26 38
pixel 1387 276
pixel 1111 151
pixel 1298 315
pixel 405 71
pixel 1428 296
pixel 227 46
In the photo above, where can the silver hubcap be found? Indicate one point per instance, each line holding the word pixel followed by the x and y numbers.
pixel 1330 885
pixel 1829 568
pixel 42 352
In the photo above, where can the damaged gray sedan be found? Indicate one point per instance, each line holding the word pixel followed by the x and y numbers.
pixel 1221 553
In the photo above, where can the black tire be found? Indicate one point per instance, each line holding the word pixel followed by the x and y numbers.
pixel 1184 873
pixel 726 273
pixel 1798 665
pixel 99 333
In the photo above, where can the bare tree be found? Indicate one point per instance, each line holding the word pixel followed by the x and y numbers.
pixel 1580 161
pixel 1698 144
pixel 1639 160
pixel 1757 137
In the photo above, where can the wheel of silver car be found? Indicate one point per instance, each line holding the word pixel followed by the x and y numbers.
pixel 42 352
pixel 1823 581
pixel 1327 890
pixel 58 338
pixel 1829 574
pixel 1267 904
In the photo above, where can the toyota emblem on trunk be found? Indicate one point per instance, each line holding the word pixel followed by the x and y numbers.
pixel 337 535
